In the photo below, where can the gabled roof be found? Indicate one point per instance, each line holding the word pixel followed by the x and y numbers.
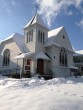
pixel 24 55
pixel 19 40
pixel 73 67
pixel 51 36
pixel 55 31
pixel 54 35
pixel 50 42
pixel 36 19
pixel 13 36
pixel 39 55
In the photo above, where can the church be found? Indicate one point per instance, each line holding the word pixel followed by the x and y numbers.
pixel 38 51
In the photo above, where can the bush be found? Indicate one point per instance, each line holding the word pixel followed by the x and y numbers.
pixel 15 75
pixel 27 75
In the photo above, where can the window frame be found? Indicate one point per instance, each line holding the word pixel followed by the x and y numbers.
pixel 6 57
pixel 41 36
pixel 30 36
pixel 63 57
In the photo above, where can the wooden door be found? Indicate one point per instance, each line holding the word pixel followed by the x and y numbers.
pixel 40 66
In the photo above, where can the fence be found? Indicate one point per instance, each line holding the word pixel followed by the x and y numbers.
pixel 47 74
pixel 8 72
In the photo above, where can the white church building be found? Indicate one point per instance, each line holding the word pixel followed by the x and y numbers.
pixel 38 51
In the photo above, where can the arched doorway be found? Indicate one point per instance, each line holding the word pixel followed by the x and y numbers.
pixel 40 66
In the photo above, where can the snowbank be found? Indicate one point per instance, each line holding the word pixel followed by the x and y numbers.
pixel 38 94
pixel 6 82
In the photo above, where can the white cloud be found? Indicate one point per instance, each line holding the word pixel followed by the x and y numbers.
pixel 51 8
pixel 80 24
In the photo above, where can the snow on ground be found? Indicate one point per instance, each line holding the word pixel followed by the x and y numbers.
pixel 38 94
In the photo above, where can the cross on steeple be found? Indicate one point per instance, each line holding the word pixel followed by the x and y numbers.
pixel 36 8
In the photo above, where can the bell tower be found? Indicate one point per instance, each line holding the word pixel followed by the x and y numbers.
pixel 35 33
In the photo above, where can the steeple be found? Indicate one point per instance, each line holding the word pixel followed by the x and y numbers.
pixel 36 19
pixel 36 8
pixel 36 33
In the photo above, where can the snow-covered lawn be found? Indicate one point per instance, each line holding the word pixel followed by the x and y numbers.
pixel 38 94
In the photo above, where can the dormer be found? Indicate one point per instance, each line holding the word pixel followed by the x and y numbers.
pixel 36 33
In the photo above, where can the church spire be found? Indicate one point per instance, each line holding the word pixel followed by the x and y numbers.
pixel 36 8
pixel 36 19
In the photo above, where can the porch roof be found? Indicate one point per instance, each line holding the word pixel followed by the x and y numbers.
pixel 73 67
pixel 24 55
pixel 41 55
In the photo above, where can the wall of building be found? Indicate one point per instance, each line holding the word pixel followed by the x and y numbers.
pixel 49 52
pixel 58 70
pixel 70 58
pixel 14 51
pixel 35 45
pixel 55 55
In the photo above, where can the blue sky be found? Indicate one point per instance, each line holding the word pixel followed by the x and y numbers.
pixel 15 14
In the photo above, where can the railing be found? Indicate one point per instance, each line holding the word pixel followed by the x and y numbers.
pixel 47 74
pixel 15 73
pixel 7 72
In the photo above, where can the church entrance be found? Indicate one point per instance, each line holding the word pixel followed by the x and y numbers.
pixel 40 66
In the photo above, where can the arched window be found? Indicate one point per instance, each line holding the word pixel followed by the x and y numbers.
pixel 30 36
pixel 6 57
pixel 27 37
pixel 41 36
pixel 63 57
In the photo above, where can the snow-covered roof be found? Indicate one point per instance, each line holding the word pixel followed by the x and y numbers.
pixel 55 31
pixel 51 42
pixel 51 36
pixel 10 37
pixel 36 19
pixel 14 35
pixel 19 40
pixel 24 55
pixel 78 53
pixel 73 67
pixel 41 55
